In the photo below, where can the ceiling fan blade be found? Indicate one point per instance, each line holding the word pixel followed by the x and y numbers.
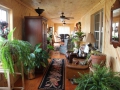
pixel 70 17
pixel 62 17
pixel 67 18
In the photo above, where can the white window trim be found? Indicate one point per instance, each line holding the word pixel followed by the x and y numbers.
pixel 102 28
pixel 9 17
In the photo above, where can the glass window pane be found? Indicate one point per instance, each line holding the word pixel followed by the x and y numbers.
pixel 4 22
pixel 3 15
pixel 96 44
pixel 97 17
pixel 98 29
pixel 96 34
pixel 63 30
pixel 96 26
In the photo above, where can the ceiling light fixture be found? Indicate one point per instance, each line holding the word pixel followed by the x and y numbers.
pixel 64 23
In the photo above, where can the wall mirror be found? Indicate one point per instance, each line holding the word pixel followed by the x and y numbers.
pixel 115 24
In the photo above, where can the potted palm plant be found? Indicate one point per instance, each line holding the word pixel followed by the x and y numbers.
pixel 101 79
pixel 77 38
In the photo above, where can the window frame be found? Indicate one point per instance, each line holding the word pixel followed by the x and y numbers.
pixel 99 31
pixel 9 17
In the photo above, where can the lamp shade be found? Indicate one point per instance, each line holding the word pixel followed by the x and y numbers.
pixel 90 38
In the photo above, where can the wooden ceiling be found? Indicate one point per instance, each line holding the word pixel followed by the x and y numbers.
pixel 54 8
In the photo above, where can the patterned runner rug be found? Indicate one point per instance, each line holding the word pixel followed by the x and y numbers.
pixel 54 78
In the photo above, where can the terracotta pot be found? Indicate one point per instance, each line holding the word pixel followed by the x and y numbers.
pixel 98 59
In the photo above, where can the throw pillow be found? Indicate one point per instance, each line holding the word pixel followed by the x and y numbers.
pixel 75 50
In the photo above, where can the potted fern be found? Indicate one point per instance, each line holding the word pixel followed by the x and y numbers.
pixel 102 79
pixel 13 52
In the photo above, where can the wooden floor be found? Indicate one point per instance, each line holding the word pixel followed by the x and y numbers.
pixel 33 84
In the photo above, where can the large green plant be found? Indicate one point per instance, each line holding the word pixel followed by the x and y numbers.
pixel 13 51
pixel 19 51
pixel 41 56
pixel 101 79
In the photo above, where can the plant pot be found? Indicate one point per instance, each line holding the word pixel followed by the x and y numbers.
pixel 31 74
pixel 98 59
pixel 39 70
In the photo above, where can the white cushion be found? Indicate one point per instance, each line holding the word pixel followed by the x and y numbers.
pixel 75 50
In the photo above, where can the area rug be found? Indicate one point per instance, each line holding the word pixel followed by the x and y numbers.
pixel 54 78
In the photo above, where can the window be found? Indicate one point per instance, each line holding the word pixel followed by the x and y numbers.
pixel 98 29
pixel 63 30
pixel 4 22
pixel 3 14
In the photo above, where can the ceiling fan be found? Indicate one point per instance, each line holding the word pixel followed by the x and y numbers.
pixel 62 17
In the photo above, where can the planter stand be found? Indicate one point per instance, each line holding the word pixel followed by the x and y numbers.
pixel 11 86
pixel 8 79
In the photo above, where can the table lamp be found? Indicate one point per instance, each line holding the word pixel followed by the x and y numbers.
pixel 90 39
